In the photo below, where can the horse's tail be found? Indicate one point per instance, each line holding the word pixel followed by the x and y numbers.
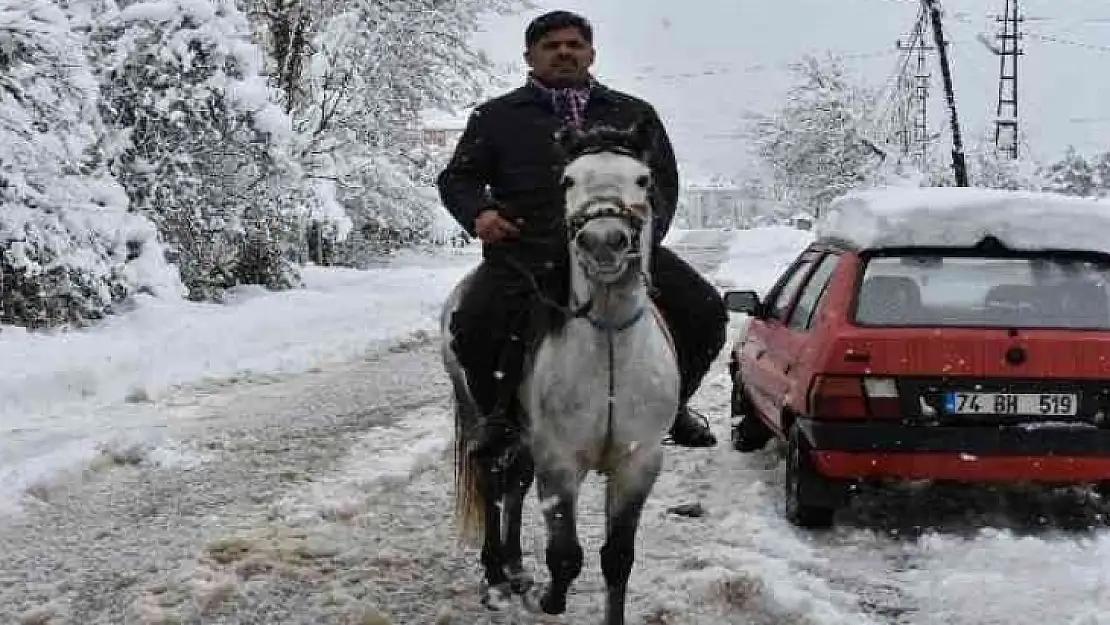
pixel 470 506
pixel 469 503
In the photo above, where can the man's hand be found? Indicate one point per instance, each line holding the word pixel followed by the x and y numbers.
pixel 493 228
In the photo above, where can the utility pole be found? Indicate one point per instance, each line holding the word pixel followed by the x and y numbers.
pixel 1009 49
pixel 959 163
pixel 914 134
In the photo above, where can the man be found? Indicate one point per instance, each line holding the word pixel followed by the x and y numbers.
pixel 502 185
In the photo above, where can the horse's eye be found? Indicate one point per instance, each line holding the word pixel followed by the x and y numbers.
pixel 567 182
pixel 643 182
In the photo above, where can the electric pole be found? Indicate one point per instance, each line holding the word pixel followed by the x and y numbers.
pixel 959 163
pixel 1009 49
pixel 914 134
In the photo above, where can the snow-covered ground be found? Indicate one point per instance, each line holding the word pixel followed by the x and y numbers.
pixel 63 395
pixel 325 496
pixel 66 396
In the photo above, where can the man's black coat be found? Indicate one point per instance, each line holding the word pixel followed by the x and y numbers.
pixel 507 159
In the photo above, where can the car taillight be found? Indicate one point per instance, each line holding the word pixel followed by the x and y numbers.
pixel 882 397
pixel 852 397
pixel 838 397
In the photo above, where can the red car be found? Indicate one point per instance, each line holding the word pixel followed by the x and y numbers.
pixel 934 334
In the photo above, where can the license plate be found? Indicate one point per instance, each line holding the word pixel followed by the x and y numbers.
pixel 1023 404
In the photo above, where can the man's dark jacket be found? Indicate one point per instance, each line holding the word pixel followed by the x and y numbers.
pixel 507 160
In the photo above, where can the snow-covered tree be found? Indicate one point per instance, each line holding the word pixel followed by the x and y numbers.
pixel 206 151
pixel 991 170
pixel 817 146
pixel 356 74
pixel 69 249
pixel 1076 174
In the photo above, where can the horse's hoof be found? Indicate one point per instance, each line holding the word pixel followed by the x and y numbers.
pixel 532 599
pixel 540 601
pixel 496 598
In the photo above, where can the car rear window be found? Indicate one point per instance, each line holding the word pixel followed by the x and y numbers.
pixel 984 291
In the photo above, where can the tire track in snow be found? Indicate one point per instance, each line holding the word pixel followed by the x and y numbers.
pixel 120 542
pixel 399 555
pixel 274 529
pixel 1043 547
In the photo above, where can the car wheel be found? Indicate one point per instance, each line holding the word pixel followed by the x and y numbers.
pixel 803 479
pixel 749 432
pixel 1102 489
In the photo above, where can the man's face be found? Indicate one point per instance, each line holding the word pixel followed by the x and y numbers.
pixel 562 58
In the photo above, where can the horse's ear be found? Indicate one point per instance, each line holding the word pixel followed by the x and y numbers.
pixel 567 140
pixel 643 136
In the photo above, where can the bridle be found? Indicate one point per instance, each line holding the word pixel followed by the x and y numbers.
pixel 609 205
pixel 635 215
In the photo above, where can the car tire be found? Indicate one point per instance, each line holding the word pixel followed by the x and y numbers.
pixel 749 432
pixel 1102 489
pixel 802 479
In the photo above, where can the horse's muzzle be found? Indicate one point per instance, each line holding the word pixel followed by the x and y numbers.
pixel 604 242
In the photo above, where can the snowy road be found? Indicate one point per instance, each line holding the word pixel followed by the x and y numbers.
pixel 324 497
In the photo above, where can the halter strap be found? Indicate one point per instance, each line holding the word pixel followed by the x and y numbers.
pixel 607 325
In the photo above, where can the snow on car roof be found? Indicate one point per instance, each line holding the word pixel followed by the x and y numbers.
pixel 954 216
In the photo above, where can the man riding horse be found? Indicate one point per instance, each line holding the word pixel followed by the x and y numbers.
pixel 503 185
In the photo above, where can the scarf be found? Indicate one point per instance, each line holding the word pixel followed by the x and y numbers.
pixel 569 102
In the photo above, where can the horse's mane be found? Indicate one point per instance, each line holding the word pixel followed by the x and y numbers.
pixel 634 141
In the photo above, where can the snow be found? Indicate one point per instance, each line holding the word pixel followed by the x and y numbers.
pixel 757 257
pixel 443 120
pixel 951 216
pixel 63 393
pixel 911 554
pixel 60 212
pixel 394 453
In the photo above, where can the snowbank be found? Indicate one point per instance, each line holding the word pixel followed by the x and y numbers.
pixel 162 344
pixel 950 216
pixel 758 256
pixel 65 397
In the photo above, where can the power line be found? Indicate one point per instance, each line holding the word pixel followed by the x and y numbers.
pixel 750 69
pixel 1048 37
pixel 1068 42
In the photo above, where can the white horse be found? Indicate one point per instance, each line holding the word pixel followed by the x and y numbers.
pixel 599 393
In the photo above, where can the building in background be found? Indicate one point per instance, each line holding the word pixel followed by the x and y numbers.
pixel 440 133
pixel 721 205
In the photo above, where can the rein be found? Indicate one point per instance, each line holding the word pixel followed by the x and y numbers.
pixel 596 208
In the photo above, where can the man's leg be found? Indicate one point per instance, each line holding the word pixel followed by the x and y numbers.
pixel 486 338
pixel 698 319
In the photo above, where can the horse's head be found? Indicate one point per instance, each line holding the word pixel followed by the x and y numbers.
pixel 607 182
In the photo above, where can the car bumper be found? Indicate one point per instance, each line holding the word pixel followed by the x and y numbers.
pixel 870 450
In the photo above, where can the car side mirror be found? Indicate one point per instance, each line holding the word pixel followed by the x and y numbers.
pixel 746 302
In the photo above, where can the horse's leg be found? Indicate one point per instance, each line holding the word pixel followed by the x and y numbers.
pixel 625 494
pixel 558 495
pixel 496 594
pixel 523 473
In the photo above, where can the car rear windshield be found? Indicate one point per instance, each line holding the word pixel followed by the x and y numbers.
pixel 941 290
